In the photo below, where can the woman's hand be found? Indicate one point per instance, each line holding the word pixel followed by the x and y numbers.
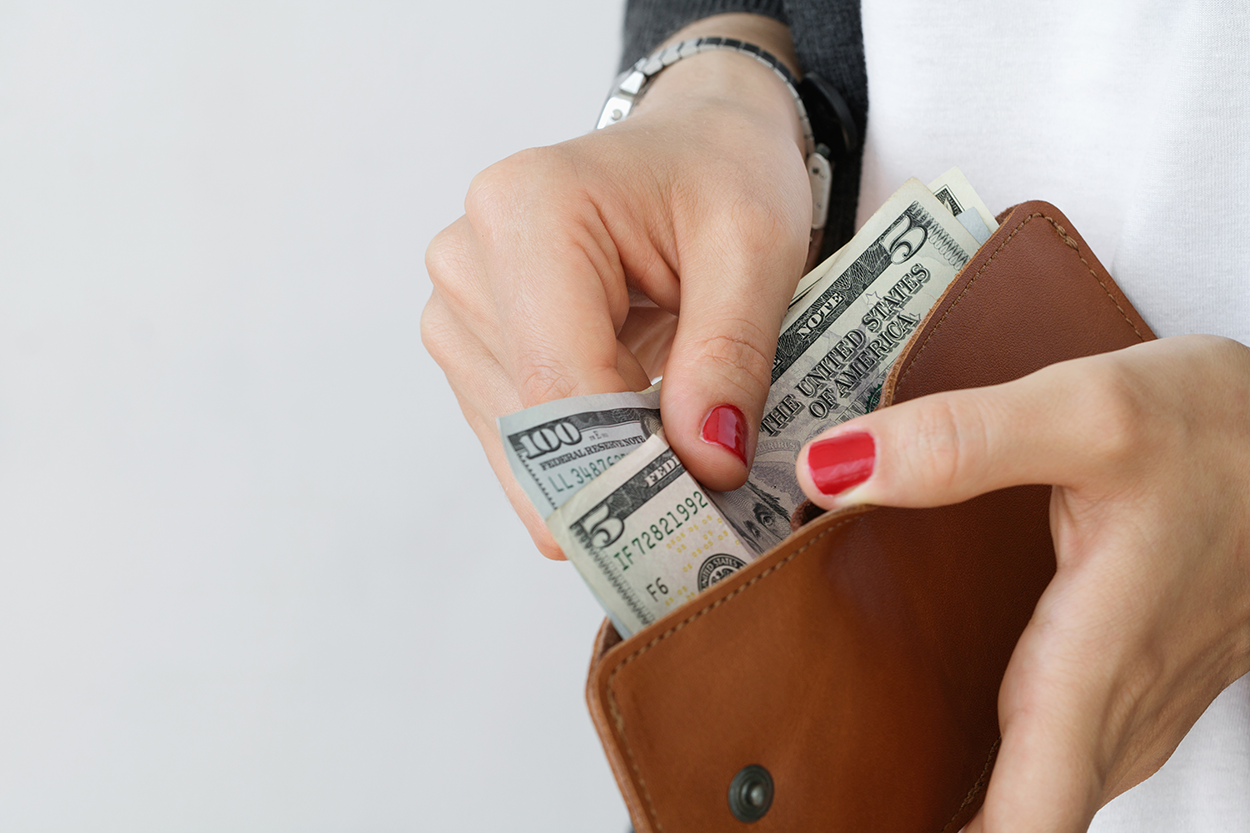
pixel 697 208
pixel 1148 616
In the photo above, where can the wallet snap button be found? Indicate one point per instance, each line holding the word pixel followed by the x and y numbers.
pixel 751 793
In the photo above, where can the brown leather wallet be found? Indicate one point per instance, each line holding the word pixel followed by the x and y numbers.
pixel 848 679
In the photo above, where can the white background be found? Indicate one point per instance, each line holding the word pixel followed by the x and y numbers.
pixel 255 574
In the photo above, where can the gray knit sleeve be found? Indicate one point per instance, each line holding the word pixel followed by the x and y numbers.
pixel 649 22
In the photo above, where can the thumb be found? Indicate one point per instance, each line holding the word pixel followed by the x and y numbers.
pixel 734 292
pixel 1052 427
pixel 1037 787
pixel 1047 778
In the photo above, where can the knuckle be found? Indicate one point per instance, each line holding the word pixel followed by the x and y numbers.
pixel 444 257
pixel 950 438
pixel 458 276
pixel 437 334
pixel 1119 428
pixel 539 380
pixel 735 354
pixel 498 192
pixel 489 193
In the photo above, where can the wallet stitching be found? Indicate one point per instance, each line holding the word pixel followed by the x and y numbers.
pixel 1066 239
pixel 979 786
pixel 619 720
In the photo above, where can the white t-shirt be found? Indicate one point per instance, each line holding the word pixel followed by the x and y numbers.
pixel 1134 119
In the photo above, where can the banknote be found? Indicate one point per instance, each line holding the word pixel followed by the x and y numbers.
pixel 556 448
pixel 838 343
pixel 646 537
pixel 953 190
pixel 641 531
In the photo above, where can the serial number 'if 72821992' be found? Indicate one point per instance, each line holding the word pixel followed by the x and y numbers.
pixel 665 525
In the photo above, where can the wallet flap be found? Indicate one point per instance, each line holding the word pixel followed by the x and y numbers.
pixel 858 662
pixel 1033 295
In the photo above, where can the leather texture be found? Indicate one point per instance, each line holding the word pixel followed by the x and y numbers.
pixel 859 660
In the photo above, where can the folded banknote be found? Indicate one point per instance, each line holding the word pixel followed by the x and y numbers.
pixel 641 531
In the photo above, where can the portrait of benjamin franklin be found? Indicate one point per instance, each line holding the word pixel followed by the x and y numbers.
pixel 758 516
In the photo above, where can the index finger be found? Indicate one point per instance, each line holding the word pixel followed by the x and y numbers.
pixel 555 276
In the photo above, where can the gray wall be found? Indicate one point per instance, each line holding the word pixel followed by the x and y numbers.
pixel 255 574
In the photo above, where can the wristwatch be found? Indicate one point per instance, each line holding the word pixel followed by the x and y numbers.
pixel 829 131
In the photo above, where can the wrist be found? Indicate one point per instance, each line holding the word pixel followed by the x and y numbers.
pixel 723 78
pixel 740 88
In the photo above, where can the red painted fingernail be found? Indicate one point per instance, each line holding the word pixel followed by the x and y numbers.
pixel 838 463
pixel 727 427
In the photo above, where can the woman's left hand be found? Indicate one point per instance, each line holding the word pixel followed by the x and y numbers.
pixel 1147 618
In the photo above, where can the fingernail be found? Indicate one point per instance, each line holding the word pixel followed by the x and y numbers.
pixel 727 427
pixel 838 463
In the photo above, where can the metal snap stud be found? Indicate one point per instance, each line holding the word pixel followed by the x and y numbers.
pixel 751 793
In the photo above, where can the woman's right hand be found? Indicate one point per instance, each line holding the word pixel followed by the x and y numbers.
pixel 697 206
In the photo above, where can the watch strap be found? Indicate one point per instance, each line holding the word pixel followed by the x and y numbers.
pixel 632 82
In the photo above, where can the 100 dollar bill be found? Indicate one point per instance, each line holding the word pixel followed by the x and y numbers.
pixel 556 448
pixel 641 531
